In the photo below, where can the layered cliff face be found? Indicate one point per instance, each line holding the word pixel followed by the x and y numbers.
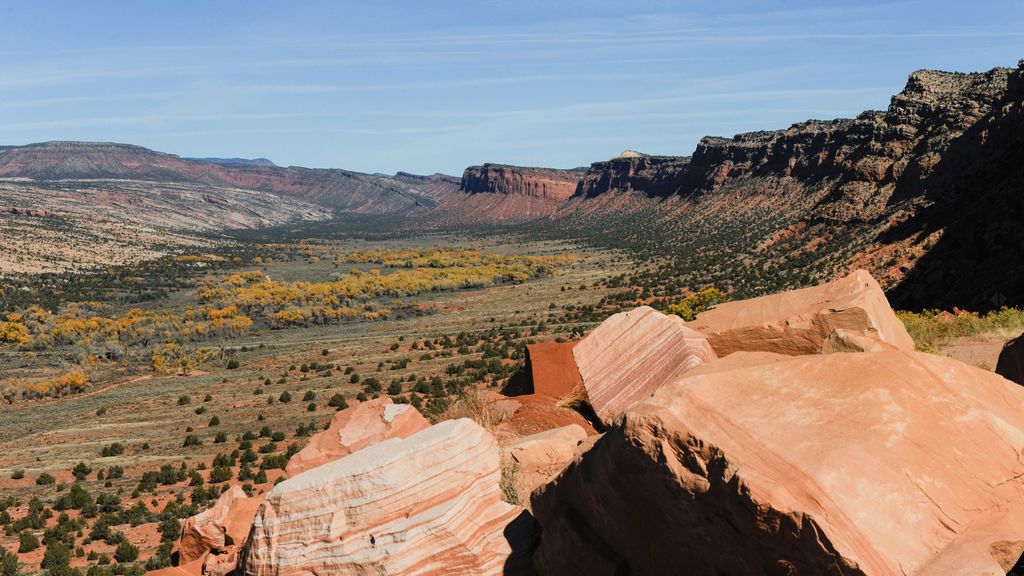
pixel 545 183
pixel 655 176
pixel 880 191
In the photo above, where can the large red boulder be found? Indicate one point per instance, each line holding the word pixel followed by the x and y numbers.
pixel 883 464
pixel 849 313
pixel 553 369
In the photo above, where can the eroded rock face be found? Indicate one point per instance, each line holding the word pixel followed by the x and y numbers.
pixel 631 354
pixel 429 504
pixel 547 183
pixel 847 313
pixel 540 457
pixel 889 463
pixel 357 427
pixel 220 529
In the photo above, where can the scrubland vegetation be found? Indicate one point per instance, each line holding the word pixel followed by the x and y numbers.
pixel 204 369
pixel 932 329
pixel 131 410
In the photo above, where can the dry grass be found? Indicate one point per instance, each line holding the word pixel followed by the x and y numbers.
pixel 470 404
pixel 511 489
pixel 572 400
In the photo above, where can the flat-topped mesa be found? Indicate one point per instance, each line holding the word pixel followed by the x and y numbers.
pixel 885 464
pixel 844 314
pixel 355 428
pixel 631 354
pixel 427 505
pixel 547 183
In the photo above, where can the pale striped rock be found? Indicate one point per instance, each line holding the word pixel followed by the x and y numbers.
pixel 631 354
pixel 801 321
pixel 428 504
pixel 858 464
pixel 357 427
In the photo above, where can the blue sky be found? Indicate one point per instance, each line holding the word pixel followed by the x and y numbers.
pixel 436 86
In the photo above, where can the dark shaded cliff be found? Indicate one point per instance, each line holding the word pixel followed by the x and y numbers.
pixel 926 194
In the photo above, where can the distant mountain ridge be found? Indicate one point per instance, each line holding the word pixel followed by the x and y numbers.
pixel 242 161
pixel 335 189
pixel 926 194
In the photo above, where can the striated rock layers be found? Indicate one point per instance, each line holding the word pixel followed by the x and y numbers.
pixel 546 183
pixel 631 354
pixel 355 428
pixel 845 314
pixel 429 504
pixel 495 193
pixel 924 194
pixel 882 464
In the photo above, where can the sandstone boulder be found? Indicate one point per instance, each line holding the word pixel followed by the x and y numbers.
pixel 428 504
pixel 553 369
pixel 1011 360
pixel 887 464
pixel 219 529
pixel 357 427
pixel 802 321
pixel 631 354
pixel 540 457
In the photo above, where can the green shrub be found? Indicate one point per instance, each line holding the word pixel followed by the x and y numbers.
pixel 126 552
pixel 338 401
pixel 27 542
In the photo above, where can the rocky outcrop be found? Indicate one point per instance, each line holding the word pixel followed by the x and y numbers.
pixel 631 354
pixel 355 428
pixel 883 464
pixel 546 183
pixel 429 504
pixel 553 370
pixel 499 194
pixel 922 194
pixel 655 176
pixel 846 314
pixel 540 457
pixel 210 541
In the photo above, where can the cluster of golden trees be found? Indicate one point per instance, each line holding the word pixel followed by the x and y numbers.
pixel 68 383
pixel 86 326
pixel 353 295
pixel 446 257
